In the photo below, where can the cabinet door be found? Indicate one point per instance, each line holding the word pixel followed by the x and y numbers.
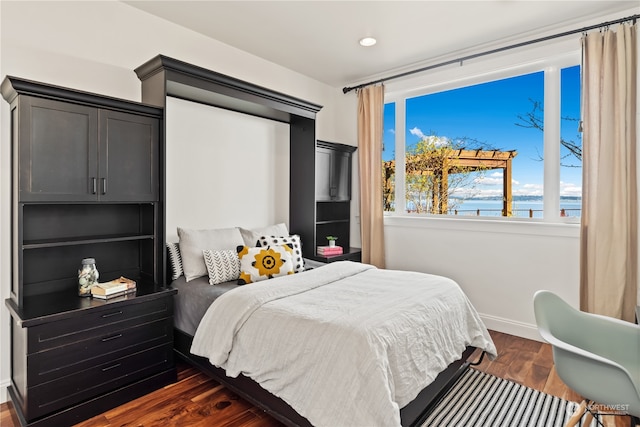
pixel 340 176
pixel 323 174
pixel 129 150
pixel 333 175
pixel 57 151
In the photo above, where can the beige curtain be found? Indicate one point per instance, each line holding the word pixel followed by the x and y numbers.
pixel 370 124
pixel 609 232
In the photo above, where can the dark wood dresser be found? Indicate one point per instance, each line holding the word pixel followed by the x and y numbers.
pixel 85 184
pixel 73 358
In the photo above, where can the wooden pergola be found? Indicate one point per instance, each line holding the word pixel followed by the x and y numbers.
pixel 457 161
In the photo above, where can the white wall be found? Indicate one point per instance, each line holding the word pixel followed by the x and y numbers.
pixel 498 264
pixel 95 46
pixel 236 165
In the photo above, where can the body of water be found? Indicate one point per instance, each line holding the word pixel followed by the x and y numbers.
pixel 521 209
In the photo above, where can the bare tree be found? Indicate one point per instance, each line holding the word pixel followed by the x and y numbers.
pixel 533 120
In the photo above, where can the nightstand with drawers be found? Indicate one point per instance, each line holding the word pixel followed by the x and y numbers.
pixel 76 357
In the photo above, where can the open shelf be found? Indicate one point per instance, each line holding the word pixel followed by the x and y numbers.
pixel 72 223
pixel 50 243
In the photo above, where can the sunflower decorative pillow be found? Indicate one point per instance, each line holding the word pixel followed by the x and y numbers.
pixel 261 263
pixel 291 241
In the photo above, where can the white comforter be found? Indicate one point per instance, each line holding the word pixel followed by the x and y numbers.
pixel 345 344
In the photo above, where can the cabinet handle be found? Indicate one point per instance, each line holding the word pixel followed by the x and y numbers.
pixel 113 337
pixel 115 365
pixel 94 185
pixel 115 313
pixel 104 185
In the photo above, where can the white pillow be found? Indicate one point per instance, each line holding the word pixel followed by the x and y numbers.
pixel 258 264
pixel 250 237
pixel 296 245
pixel 193 242
pixel 222 266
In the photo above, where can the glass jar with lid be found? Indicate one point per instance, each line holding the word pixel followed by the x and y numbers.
pixel 87 277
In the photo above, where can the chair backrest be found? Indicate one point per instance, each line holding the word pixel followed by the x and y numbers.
pixel 571 326
pixel 597 356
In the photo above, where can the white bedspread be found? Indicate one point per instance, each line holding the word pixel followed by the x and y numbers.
pixel 345 344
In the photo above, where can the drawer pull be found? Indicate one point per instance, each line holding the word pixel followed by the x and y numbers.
pixel 113 337
pixel 108 368
pixel 115 313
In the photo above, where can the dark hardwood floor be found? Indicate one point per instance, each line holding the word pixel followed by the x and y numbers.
pixel 196 400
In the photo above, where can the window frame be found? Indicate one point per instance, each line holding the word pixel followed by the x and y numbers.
pixel 547 59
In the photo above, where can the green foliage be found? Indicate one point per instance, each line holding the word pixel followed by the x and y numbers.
pixel 435 173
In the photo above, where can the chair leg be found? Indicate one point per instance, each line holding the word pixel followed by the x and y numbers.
pixel 575 418
pixel 587 419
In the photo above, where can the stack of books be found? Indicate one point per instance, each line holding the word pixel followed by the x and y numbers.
pixel 329 250
pixel 115 288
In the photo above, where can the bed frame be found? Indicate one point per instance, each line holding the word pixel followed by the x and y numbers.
pixel 162 76
pixel 413 414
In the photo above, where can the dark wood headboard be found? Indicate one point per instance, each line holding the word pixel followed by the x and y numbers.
pixel 163 76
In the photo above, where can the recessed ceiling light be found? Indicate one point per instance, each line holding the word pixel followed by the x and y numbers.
pixel 367 41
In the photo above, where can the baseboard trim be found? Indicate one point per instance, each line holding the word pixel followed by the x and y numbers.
pixel 512 327
pixel 4 396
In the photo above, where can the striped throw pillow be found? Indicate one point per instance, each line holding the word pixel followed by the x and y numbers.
pixel 222 265
pixel 175 259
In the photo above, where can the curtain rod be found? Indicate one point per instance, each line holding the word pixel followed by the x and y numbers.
pixel 489 52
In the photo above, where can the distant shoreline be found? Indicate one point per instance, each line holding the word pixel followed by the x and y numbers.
pixel 524 207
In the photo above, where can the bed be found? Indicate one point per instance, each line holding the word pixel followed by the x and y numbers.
pixel 358 334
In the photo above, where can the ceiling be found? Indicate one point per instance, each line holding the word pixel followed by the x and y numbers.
pixel 320 38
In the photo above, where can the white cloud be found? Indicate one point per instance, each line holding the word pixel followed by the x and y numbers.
pixel 393 131
pixel 495 178
pixel 437 141
pixel 566 189
pixel 417 132
pixel 484 180
pixel 528 190
pixel 476 192
pixel 570 189
pixel 533 187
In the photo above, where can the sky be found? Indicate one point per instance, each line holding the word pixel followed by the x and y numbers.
pixel 488 113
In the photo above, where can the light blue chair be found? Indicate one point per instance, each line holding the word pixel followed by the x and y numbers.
pixel 596 356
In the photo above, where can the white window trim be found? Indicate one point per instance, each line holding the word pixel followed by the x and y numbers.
pixel 547 59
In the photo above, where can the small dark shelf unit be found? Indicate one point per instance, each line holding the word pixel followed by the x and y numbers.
pixel 86 183
pixel 333 199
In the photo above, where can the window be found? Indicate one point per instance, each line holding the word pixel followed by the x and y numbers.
pixel 570 143
pixel 479 150
pixel 389 156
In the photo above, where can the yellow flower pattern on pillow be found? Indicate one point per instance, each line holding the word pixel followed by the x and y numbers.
pixel 261 263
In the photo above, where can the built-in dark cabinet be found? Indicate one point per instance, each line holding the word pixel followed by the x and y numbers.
pixel 333 172
pixel 85 184
pixel 71 152
pixel 333 198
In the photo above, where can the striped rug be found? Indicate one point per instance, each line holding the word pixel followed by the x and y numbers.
pixel 479 399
